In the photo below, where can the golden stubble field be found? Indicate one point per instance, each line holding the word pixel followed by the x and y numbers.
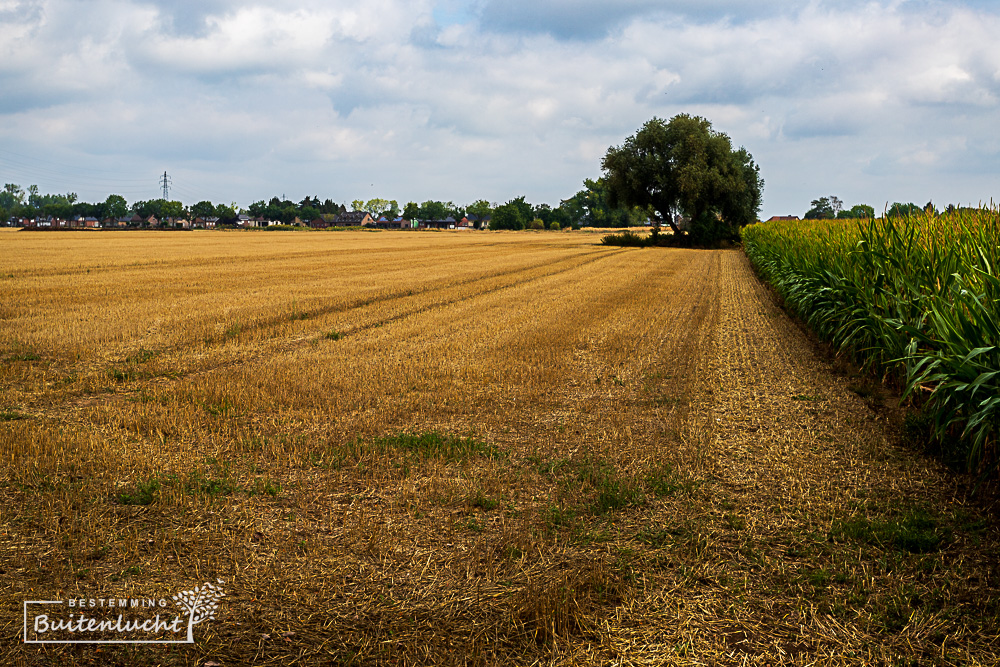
pixel 462 448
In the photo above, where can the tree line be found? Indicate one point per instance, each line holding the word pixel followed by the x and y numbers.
pixel 590 206
pixel 832 207
pixel 681 173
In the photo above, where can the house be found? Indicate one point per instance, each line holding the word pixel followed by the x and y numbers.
pixel 205 223
pixel 151 221
pixel 447 223
pixel 319 223
pixel 395 223
pixel 783 218
pixel 354 219
pixel 129 221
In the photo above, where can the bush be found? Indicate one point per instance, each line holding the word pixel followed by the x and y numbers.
pixel 536 224
pixel 627 239
pixel 554 226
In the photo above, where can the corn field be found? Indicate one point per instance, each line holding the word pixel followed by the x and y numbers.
pixel 915 298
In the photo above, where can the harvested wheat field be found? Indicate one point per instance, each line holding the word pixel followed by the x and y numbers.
pixel 461 448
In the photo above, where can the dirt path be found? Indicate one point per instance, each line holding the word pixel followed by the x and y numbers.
pixel 819 536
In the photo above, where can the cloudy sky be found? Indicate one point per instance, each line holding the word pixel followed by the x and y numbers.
pixel 872 101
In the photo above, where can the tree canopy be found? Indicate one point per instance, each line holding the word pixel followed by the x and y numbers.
pixel 515 214
pixel 685 167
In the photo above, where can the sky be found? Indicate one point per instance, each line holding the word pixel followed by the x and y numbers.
pixel 458 100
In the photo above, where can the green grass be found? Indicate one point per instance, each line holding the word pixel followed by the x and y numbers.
pixel 144 493
pixel 914 531
pixel 426 445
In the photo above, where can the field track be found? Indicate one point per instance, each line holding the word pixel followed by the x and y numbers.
pixel 654 464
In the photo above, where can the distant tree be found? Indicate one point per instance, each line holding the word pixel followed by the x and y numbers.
pixel 898 210
pixel 226 214
pixel 479 208
pixel 433 210
pixel 858 211
pixel 561 216
pixel 592 206
pixel 685 166
pixel 115 206
pixel 153 207
pixel 411 211
pixel 836 203
pixel 34 197
pixel 526 210
pixel 509 216
pixel 821 209
pixel 572 211
pixel 392 212
pixel 11 196
pixel 203 209
pixel 308 213
pixel 358 205
pixel 544 213
pixel 258 208
pixel 85 209
pixel 376 207
pixel 59 210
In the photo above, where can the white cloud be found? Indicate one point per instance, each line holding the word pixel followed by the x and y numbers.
pixel 461 99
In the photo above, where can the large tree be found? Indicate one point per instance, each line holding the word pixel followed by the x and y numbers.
pixel 821 209
pixel 115 206
pixel 684 166
pixel 479 208
pixel 203 209
pixel 515 214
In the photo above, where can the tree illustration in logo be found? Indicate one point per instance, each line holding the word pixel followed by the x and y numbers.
pixel 200 604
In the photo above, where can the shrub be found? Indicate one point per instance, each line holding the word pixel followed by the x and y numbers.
pixel 626 238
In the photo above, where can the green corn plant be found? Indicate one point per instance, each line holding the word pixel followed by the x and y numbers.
pixel 914 297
